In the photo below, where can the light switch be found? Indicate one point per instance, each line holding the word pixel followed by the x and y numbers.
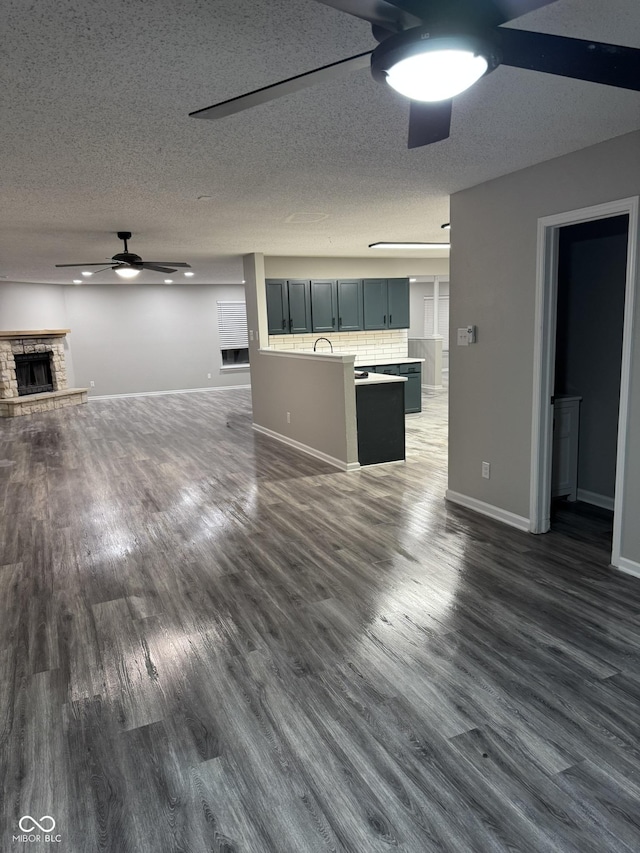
pixel 463 337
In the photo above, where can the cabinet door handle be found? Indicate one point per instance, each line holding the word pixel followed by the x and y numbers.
pixel 290 323
pixel 333 322
pixel 340 321
pixel 384 319
pixel 284 324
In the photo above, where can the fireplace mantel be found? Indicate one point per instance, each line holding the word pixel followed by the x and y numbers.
pixel 36 333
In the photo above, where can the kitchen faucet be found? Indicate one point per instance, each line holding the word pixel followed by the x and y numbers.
pixel 323 339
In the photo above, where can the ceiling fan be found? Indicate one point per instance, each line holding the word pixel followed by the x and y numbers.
pixel 432 50
pixel 129 265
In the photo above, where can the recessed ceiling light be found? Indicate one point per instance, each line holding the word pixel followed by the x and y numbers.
pixel 168 281
pixel 409 245
pixel 86 273
pixel 77 281
pixel 189 274
pixel 243 281
pixel 412 279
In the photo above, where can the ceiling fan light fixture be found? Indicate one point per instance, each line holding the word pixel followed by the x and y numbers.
pixel 127 272
pixel 429 66
pixel 436 74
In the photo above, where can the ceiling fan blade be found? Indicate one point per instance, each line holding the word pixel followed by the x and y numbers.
pixel 429 123
pixel 388 14
pixel 79 265
pixel 507 10
pixel 150 266
pixel 593 61
pixel 284 87
pixel 167 263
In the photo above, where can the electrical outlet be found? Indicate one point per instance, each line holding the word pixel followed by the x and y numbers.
pixel 92 384
pixel 288 417
pixel 208 376
pixel 486 470
pixel 250 334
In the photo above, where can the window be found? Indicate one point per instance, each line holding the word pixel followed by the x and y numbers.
pixel 232 328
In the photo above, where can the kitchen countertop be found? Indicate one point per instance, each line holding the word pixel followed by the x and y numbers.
pixel 374 362
pixel 379 378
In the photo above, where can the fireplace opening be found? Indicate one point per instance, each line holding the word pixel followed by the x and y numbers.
pixel 33 373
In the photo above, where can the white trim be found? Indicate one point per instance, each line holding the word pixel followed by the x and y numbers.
pixel 593 498
pixel 544 349
pixel 629 567
pixel 297 353
pixel 163 393
pixel 431 387
pixel 495 512
pixel 304 448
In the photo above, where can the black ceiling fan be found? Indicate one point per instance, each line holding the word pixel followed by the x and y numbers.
pixel 420 32
pixel 127 264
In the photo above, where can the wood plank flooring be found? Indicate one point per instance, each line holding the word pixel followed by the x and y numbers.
pixel 211 643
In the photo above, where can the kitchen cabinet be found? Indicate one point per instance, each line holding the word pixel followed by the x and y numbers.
pixel 398 301
pixel 349 304
pixel 413 385
pixel 336 306
pixel 380 419
pixel 288 306
pixel 324 305
pixel 295 306
pixel 386 303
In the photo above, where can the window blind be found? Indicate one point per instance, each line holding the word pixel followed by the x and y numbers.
pixel 232 325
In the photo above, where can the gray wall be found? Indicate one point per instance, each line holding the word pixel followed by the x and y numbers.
pixel 276 267
pixel 26 307
pixel 130 338
pixel 591 291
pixel 493 277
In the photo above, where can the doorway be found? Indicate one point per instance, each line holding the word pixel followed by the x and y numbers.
pixel 560 353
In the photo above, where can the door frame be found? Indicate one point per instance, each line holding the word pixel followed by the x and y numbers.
pixel 544 358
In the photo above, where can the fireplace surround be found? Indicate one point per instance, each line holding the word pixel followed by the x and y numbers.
pixel 38 381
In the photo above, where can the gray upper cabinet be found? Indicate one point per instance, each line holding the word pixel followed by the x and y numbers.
pixel 375 303
pixel 398 303
pixel 277 306
pixel 386 303
pixel 324 305
pixel 288 306
pixel 299 306
pixel 349 304
pixel 295 306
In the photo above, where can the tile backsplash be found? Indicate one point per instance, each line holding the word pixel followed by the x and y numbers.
pixel 391 343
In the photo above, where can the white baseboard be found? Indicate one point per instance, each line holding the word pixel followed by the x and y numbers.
pixel 163 393
pixel 629 567
pixel 503 515
pixel 593 498
pixel 304 448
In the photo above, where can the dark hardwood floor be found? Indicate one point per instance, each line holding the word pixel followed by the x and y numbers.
pixel 211 643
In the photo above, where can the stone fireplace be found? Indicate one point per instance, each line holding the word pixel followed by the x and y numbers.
pixel 33 375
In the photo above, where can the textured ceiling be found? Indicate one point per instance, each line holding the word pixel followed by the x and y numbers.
pixel 96 137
